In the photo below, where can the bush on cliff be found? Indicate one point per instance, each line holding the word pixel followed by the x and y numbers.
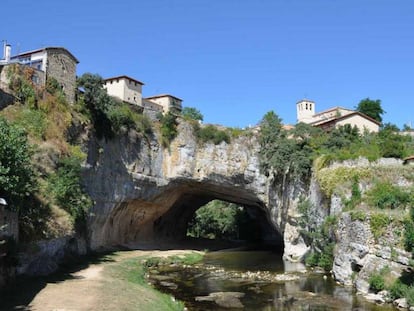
pixel 65 186
pixel 17 176
pixel 211 133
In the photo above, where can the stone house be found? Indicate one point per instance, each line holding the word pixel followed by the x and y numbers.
pixel 129 90
pixel 56 62
pixel 334 117
pixel 125 88
pixel 167 102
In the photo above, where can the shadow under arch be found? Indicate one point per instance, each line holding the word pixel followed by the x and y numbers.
pixel 165 217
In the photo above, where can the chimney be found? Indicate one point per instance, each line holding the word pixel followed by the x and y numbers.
pixel 7 52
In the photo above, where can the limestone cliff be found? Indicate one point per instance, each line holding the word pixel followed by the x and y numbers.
pixel 144 192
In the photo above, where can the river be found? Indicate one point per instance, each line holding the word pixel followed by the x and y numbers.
pixel 255 280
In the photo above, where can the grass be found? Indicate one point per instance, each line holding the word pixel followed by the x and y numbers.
pixel 125 286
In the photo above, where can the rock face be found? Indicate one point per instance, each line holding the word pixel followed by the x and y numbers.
pixel 145 192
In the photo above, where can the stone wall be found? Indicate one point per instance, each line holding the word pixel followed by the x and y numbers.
pixel 62 67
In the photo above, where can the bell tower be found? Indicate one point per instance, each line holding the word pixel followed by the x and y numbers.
pixel 305 110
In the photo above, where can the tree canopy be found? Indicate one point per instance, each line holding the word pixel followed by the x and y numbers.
pixel 372 108
pixel 192 114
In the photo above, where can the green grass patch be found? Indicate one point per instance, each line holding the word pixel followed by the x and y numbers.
pixel 128 284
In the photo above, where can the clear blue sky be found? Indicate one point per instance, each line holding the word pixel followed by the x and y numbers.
pixel 235 60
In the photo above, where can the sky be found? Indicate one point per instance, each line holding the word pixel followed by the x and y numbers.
pixel 235 60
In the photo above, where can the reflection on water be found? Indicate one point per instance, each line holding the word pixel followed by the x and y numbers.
pixel 256 280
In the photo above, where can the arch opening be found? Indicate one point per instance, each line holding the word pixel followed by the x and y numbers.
pixel 257 228
pixel 166 217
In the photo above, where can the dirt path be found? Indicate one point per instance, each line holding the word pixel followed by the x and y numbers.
pixel 87 289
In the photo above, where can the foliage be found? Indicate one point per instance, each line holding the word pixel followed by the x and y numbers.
pixel 17 176
pixel 213 134
pixel 191 113
pixel 21 83
pixel 378 224
pixel 65 186
pixel 320 236
pixel 34 121
pixel 283 153
pixel 398 289
pixel 220 220
pixel 121 116
pixel 409 295
pixel 330 179
pixel 376 282
pixel 409 232
pixel 98 102
pixel 371 108
pixel 392 144
pixel 168 128
pixel 386 195
pixel 358 215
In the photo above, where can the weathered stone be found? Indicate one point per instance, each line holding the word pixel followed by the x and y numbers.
pixel 143 192
pixel 377 298
pixel 401 303
pixel 224 299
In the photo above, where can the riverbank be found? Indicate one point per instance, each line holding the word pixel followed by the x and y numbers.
pixel 109 282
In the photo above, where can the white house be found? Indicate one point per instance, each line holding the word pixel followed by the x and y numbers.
pixel 167 101
pixel 125 88
pixel 334 117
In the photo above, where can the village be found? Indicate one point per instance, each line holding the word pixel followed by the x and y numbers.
pixel 59 63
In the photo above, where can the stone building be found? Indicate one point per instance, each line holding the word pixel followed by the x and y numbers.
pixel 56 62
pixel 167 102
pixel 125 88
pixel 334 117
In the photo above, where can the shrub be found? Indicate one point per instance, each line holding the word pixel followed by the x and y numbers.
pixel 190 113
pixel 67 191
pixel 358 215
pixel 409 235
pixel 326 258
pixel 17 176
pixel 213 134
pixel 35 122
pixel 386 195
pixel 409 295
pixel 143 124
pixel 378 224
pixel 168 128
pixel 398 289
pixel 20 82
pixel 376 282
pixel 121 116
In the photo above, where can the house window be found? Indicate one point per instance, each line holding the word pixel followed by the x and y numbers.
pixel 310 106
pixel 306 106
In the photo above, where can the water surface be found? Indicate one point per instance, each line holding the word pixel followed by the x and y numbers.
pixel 264 281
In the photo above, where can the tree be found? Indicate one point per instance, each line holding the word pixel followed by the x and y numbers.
pixel 17 176
pixel 371 108
pixel 191 113
pixel 98 103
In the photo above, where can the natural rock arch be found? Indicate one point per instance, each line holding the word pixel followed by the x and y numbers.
pixel 145 192
pixel 166 216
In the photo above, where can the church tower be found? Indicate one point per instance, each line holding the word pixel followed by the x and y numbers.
pixel 305 110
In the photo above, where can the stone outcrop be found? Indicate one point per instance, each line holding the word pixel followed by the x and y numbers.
pixel 144 192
